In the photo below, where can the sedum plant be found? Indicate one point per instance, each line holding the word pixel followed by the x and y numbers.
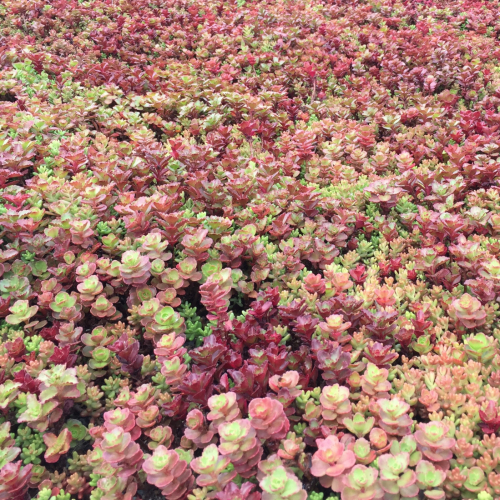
pixel 331 462
pixel 281 485
pixel 258 241
pixel 166 470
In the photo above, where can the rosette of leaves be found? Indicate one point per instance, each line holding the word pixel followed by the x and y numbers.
pixel 65 307
pixel 282 485
pixel 476 480
pixel 433 441
pixel 362 449
pixel 468 311
pixel 268 418
pixel 115 486
pixel 359 425
pixel 396 478
pixel 331 461
pixel 159 435
pixel 335 402
pixel 170 346
pixel 154 248
pixel 166 321
pixel 118 448
pixel 361 482
pixel 223 408
pixel 123 418
pixel 14 481
pixel 13 287
pixel 210 467
pixel 99 337
pixel 90 288
pixel 173 371
pixel 56 445
pixel 408 444
pixel 78 431
pixel 480 347
pixel 104 308
pixel 37 413
pixel 238 441
pixel 394 417
pixel 196 429
pixel 101 357
pixel 60 383
pixel 134 268
pixel 21 312
pixel 374 380
pixel 430 479
pixel 166 470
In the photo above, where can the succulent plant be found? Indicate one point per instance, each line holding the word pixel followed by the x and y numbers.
pixel 134 268
pixel 334 327
pixel 361 482
pixel 374 380
pixel 65 307
pixel 480 348
pixel 21 312
pixel 238 441
pixel 56 445
pixel 490 419
pixel 118 447
pixel 358 424
pixel 394 417
pixel 268 418
pixel 37 413
pixel 8 393
pixel 223 408
pixel 433 441
pixel 169 346
pixel 331 461
pixel 291 447
pixel 335 402
pixel 173 370
pixel 210 467
pixel 282 485
pixel 123 418
pixel 159 435
pixel 363 450
pixel 101 357
pixel 166 321
pixel 468 311
pixel 167 471
pixel 396 478
pixel 266 232
pixel 14 481
pixel 476 480
pixel 429 479
pixel 196 430
pixel 407 445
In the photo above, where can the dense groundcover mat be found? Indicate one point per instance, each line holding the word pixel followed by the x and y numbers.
pixel 249 250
